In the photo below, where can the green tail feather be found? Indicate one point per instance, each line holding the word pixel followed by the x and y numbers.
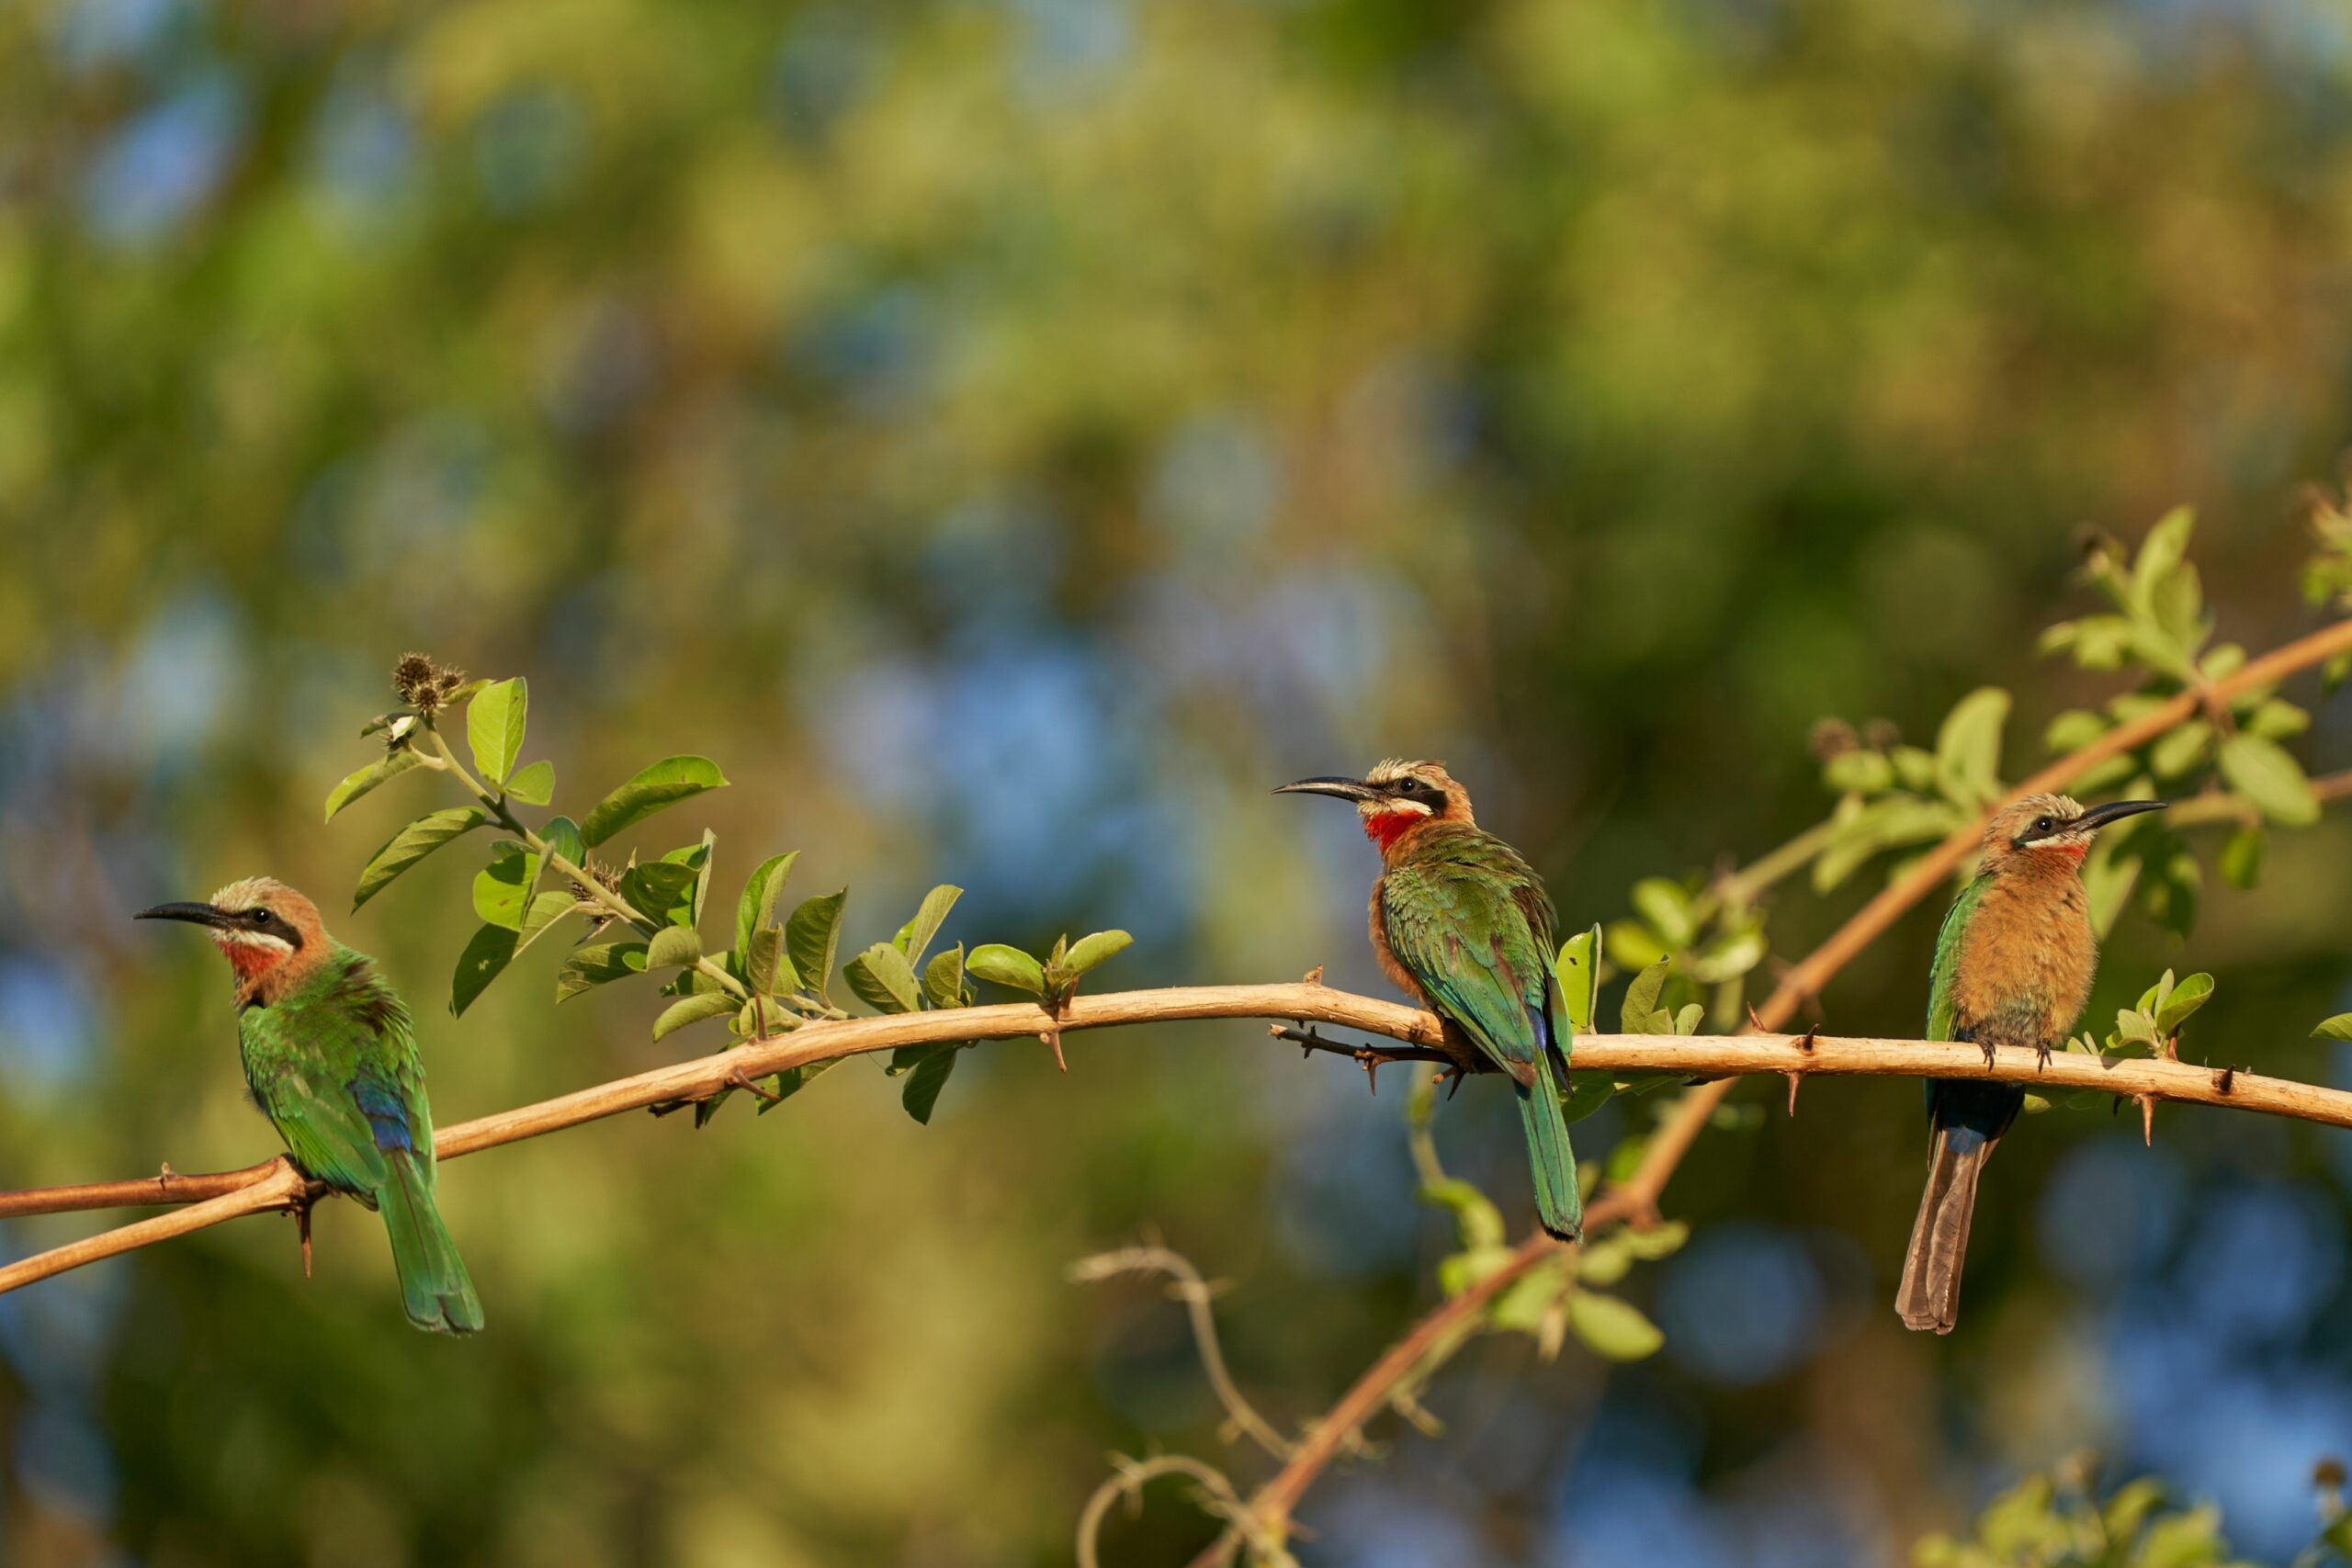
pixel 1557 1203
pixel 434 1286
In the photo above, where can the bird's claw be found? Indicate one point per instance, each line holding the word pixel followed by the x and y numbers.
pixel 2041 1056
pixel 1991 1057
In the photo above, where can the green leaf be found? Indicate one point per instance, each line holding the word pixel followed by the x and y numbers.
pixel 914 937
pixel 943 978
pixel 1859 772
pixel 1091 950
pixel 561 836
pixel 534 785
pixel 539 918
pixel 2277 720
pixel 2192 993
pixel 1586 1092
pixel 2020 1525
pixel 673 947
pixel 2129 1507
pixel 1640 1014
pixel 1667 907
pixel 756 907
pixel 2074 729
pixel 2188 1540
pixel 1632 945
pixel 2242 856
pixel 2337 1027
pixel 921 1092
pixel 390 766
pixel 1612 1328
pixel 812 936
pixel 760 962
pixel 2263 771
pixel 2165 548
pixel 494 729
pixel 1889 822
pixel 692 1009
pixel 882 980
pixel 696 857
pixel 1915 767
pixel 1006 966
pixel 2179 750
pixel 589 967
pixel 1476 1218
pixel 1604 1262
pixel 1968 747
pixel 412 844
pixel 1658 1241
pixel 1524 1304
pixel 491 949
pixel 1579 977
pixel 664 784
pixel 792 1080
pixel 501 888
pixel 661 890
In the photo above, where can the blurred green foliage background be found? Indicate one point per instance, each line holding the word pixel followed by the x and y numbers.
pixel 1010 435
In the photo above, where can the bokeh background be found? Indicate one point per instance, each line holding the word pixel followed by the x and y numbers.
pixel 1010 435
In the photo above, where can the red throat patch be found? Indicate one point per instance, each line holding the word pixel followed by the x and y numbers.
pixel 251 961
pixel 1384 828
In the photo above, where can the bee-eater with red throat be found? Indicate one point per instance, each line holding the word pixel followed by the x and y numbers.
pixel 2013 966
pixel 331 1059
pixel 1463 925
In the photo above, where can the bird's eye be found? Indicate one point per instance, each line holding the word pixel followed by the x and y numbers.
pixel 2044 823
pixel 261 917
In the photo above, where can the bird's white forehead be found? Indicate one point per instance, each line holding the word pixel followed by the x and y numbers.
pixel 1390 769
pixel 250 894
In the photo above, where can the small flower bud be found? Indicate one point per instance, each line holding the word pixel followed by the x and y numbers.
pixel 1832 737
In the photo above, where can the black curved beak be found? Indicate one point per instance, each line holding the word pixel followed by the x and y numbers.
pixel 2114 811
pixel 1346 789
pixel 195 914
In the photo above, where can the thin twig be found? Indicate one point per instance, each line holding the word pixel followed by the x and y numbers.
pixel 1127 1479
pixel 1195 1292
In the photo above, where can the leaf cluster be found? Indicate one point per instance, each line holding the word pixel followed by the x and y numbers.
pixel 646 916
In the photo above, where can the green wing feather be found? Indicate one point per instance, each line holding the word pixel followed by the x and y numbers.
pixel 318 1071
pixel 1941 1003
pixel 1461 933
pixel 1470 921
pixel 334 1066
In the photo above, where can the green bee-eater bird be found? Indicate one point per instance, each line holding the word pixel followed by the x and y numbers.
pixel 2014 963
pixel 1463 925
pixel 331 1059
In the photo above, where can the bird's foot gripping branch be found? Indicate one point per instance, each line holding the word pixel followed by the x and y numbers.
pixel 2205 725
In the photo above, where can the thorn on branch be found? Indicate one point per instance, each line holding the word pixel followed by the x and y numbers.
pixel 1371 1058
pixel 1314 975
pixel 1053 1037
pixel 1797 1081
pixel 2148 1120
pixel 2223 1079
pixel 738 1079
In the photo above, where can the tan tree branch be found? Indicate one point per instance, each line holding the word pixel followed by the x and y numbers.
pixel 275 1185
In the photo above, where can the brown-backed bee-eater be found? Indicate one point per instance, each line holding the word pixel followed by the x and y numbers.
pixel 331 1059
pixel 1463 925
pixel 2014 963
